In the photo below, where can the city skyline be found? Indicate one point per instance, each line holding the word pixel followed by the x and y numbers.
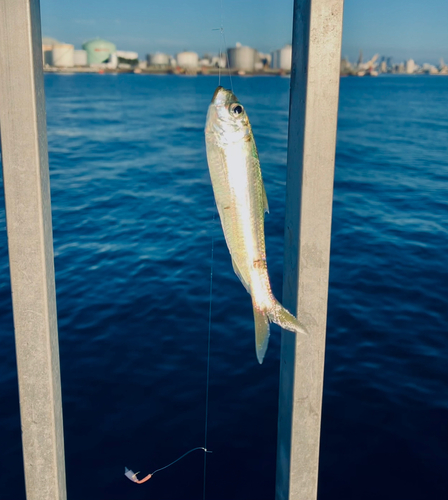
pixel 401 29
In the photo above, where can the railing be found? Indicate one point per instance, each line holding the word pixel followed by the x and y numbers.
pixel 317 28
pixel 30 242
pixel 317 31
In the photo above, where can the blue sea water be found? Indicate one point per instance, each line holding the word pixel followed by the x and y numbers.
pixel 133 220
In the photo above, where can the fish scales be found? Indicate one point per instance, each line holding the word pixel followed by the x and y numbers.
pixel 241 200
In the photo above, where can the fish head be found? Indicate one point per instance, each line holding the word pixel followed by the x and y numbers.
pixel 226 118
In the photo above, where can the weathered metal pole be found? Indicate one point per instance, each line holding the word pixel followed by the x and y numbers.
pixel 317 30
pixel 30 242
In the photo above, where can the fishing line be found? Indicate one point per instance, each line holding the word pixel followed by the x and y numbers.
pixel 127 472
pixel 130 474
pixel 208 356
pixel 223 40
pixel 177 459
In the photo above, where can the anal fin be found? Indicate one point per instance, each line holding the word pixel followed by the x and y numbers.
pixel 237 272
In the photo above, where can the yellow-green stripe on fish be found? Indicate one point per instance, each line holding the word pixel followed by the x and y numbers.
pixel 241 200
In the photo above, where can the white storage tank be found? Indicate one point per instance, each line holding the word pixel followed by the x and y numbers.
pixel 47 48
pixel 127 54
pixel 63 55
pixel 282 58
pixel 80 58
pixel 112 61
pixel 187 59
pixel 158 59
pixel 242 58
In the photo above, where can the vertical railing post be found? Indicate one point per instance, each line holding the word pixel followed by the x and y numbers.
pixel 30 243
pixel 317 30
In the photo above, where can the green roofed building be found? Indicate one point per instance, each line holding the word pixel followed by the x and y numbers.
pixel 98 51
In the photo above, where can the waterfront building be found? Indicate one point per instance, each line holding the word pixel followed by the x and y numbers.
pixel 187 60
pixel 158 59
pixel 282 58
pixel 98 51
pixel 47 48
pixel 430 69
pixel 80 58
pixel 219 61
pixel 62 55
pixel 265 59
pixel 205 61
pixel 410 66
pixel 127 55
pixel 112 62
pixel 242 58
pixel 346 67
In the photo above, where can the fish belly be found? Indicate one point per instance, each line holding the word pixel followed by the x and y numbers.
pixel 237 185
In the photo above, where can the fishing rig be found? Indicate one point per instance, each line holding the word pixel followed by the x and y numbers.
pixel 130 474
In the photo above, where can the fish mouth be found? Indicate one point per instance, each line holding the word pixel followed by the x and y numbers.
pixel 223 96
pixel 217 91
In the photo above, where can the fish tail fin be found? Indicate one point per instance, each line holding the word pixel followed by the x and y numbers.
pixel 279 315
pixel 261 332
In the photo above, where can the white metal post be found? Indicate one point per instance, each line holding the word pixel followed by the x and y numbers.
pixel 30 242
pixel 317 31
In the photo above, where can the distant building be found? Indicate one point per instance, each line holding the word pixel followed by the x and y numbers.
pixel 158 59
pixel 205 62
pixel 282 58
pixel 187 60
pixel 127 54
pixel 410 66
pixel 80 58
pixel 242 58
pixel 346 67
pixel 47 48
pixel 265 59
pixel 63 55
pixel 429 69
pixel 112 62
pixel 98 51
pixel 219 61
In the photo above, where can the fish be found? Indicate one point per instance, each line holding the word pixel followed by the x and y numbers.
pixel 241 200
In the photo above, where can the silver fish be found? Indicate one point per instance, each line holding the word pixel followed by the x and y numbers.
pixel 241 200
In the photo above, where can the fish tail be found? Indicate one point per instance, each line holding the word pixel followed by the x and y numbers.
pixel 261 332
pixel 279 315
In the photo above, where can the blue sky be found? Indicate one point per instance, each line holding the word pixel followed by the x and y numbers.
pixel 398 28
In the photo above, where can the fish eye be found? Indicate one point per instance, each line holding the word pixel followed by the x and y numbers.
pixel 236 110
